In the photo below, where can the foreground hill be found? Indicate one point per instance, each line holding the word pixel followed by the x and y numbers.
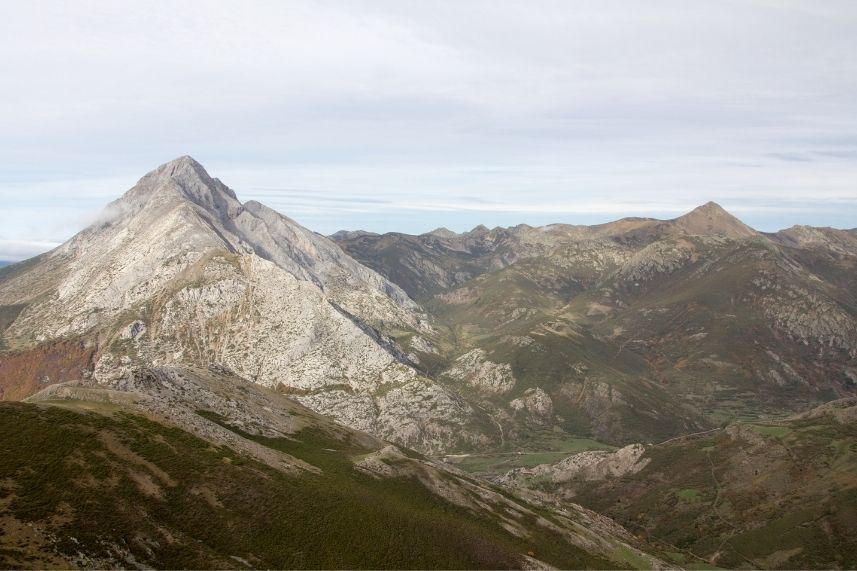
pixel 754 495
pixel 98 478
pixel 636 330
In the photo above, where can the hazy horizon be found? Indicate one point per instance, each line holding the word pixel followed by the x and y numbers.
pixel 403 116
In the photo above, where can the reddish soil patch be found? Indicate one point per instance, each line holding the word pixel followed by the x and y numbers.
pixel 23 373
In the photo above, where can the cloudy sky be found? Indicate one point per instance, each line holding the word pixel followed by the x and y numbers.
pixel 405 116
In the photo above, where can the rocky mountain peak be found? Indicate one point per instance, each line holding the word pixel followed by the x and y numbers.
pixel 181 269
pixel 184 163
pixel 712 219
pixel 182 179
pixel 184 171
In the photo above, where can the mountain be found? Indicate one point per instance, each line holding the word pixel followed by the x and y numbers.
pixel 430 263
pixel 350 234
pixel 634 330
pixel 773 494
pixel 5 263
pixel 178 271
pixel 711 220
pixel 196 468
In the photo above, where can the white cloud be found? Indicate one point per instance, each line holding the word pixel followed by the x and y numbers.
pixel 14 250
pixel 616 103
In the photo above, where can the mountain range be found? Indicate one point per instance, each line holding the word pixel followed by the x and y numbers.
pixel 636 330
pixel 456 379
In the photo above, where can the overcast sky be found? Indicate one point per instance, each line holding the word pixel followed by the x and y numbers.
pixel 406 116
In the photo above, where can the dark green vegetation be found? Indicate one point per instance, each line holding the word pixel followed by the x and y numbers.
pixel 546 447
pixel 756 495
pixel 122 488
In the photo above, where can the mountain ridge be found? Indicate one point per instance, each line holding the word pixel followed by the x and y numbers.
pixel 709 208
pixel 697 310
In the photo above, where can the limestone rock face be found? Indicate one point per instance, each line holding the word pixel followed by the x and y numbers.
pixel 486 376
pixel 657 258
pixel 178 271
pixel 594 465
pixel 536 403
pixel 423 345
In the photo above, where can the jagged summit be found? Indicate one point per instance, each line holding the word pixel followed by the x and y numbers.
pixel 180 179
pixel 184 162
pixel 183 169
pixel 712 219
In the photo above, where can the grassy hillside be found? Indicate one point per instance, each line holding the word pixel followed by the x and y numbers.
pixel 95 490
pixel 756 495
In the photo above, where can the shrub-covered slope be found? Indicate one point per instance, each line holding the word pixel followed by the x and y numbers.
pixel 753 495
pixel 200 469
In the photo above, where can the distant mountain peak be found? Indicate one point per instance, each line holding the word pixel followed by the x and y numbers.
pixel 345 234
pixel 711 206
pixel 442 232
pixel 713 219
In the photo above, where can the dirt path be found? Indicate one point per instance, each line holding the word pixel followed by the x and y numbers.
pixel 735 529
pixel 687 436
